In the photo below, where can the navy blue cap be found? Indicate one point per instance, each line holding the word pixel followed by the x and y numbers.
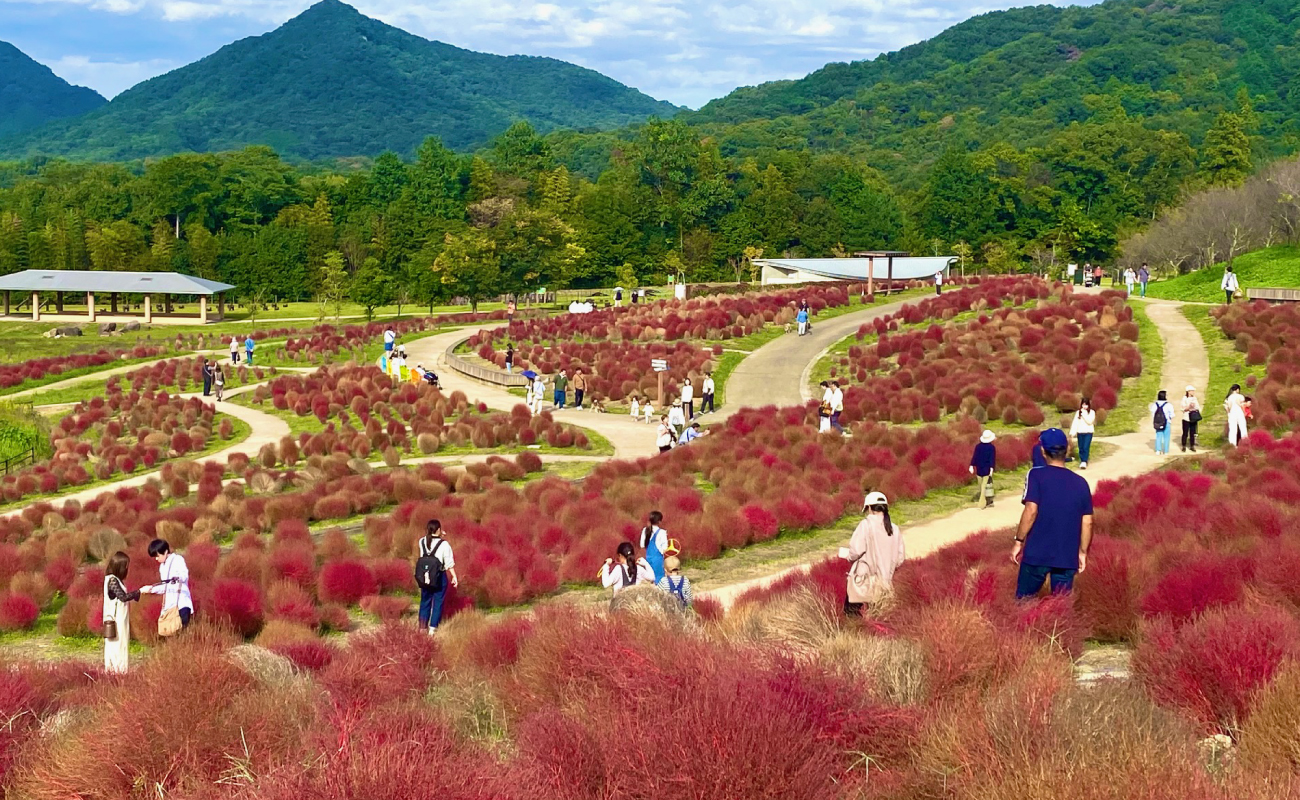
pixel 1053 439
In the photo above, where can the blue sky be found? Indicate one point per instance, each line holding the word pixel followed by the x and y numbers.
pixel 683 51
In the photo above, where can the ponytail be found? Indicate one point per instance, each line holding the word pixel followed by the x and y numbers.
pixel 889 525
pixel 648 531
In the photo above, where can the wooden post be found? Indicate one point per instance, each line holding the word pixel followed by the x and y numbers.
pixel 90 305
pixel 661 393
pixel 112 301
pixel 6 302
pixel 221 307
pixel 891 275
pixel 203 309
pixel 871 276
pixel 58 301
pixel 36 306
pixel 148 310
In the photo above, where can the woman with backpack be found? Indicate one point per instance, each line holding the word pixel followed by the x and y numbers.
pixel 675 583
pixel 654 541
pixel 625 570
pixel 875 550
pixel 1161 415
pixel 435 559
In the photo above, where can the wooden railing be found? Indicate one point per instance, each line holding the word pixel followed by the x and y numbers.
pixel 481 373
pixel 1273 295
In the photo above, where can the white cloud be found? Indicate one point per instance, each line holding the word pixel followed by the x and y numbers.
pixel 685 51
pixel 109 78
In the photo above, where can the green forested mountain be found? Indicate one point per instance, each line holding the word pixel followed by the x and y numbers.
pixel 31 95
pixel 333 82
pixel 1023 75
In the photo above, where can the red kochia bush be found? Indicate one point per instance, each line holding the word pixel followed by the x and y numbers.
pixel 345 582
pixel 238 604
pixel 18 612
pixel 1213 666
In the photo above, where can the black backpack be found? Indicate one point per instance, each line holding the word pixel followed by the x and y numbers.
pixel 428 570
pixel 1159 419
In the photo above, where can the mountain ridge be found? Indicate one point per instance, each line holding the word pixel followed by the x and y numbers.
pixel 31 94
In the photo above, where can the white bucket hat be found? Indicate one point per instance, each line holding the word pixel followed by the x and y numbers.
pixel 1190 388
pixel 874 499
pixel 987 437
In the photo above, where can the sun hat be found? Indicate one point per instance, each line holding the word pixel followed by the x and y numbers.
pixel 1190 388
pixel 672 564
pixel 1053 439
pixel 987 437
pixel 875 499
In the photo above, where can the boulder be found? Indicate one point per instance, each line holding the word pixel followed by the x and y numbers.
pixel 131 326
pixel 105 328
pixel 64 330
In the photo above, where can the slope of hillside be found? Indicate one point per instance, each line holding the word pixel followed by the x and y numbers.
pixel 1275 267
pixel 31 95
pixel 333 82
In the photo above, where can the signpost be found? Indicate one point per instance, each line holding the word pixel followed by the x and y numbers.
pixel 660 366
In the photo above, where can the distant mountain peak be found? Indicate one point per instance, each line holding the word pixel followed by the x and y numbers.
pixel 31 94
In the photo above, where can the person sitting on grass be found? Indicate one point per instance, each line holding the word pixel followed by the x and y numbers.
pixel 1055 528
pixel 675 583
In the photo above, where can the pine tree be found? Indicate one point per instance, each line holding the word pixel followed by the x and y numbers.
pixel 1225 156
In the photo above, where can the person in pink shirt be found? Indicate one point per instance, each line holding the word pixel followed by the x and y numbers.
pixel 875 550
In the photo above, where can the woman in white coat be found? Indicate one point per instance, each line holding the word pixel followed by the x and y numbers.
pixel 875 550
pixel 1235 405
pixel 117 647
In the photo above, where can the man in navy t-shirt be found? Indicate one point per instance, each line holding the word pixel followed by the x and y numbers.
pixel 1056 524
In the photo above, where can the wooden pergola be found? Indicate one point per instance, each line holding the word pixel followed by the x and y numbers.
pixel 115 284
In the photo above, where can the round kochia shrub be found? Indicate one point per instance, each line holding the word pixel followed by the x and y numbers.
pixel 18 612
pixel 345 582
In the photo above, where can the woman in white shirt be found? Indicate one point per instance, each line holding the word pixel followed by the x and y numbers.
pixel 1082 426
pixel 435 544
pixel 1229 284
pixel 676 418
pixel 706 394
pixel 117 647
pixel 1191 405
pixel 1130 278
pixel 1235 405
pixel 173 583
pixel 539 393
pixel 664 436
pixel 234 349
pixel 627 570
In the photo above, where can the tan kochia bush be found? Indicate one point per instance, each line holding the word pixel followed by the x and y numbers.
pixel 892 666
pixel 1271 736
pixel 799 622
pixel 428 442
pixel 104 542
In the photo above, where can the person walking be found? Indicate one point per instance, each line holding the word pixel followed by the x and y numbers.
pixel 1191 408
pixel 248 350
pixel 234 349
pixel 433 568
pixel 539 393
pixel 174 584
pixel 654 541
pixel 1144 277
pixel 938 283
pixel 664 436
pixel 1130 278
pixel 634 408
pixel 561 389
pixel 579 388
pixel 1055 529
pixel 618 297
pixel 390 341
pixel 1082 427
pixel 625 570
pixel 206 372
pixel 510 358
pixel 117 618
pixel 1097 273
pixel 219 379
pixel 1162 415
pixel 1087 275
pixel 982 462
pixel 706 394
pixel 837 405
pixel 648 411
pixel 688 399
pixel 875 551
pixel 675 583
pixel 1235 405
pixel 802 319
pixel 677 418
pixel 1229 284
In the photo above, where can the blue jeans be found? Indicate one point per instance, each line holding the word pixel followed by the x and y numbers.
pixel 1162 440
pixel 431 605
pixel 1144 288
pixel 1031 580
pixel 559 399
pixel 1085 446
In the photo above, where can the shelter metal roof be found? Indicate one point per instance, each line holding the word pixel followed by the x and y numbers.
pixel 71 280
pixel 856 268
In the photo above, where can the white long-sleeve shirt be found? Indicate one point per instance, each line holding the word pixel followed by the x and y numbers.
pixel 708 385
pixel 660 538
pixel 1229 282
pixel 176 593
pixel 1083 422
pixel 676 417
pixel 615 576
pixel 688 392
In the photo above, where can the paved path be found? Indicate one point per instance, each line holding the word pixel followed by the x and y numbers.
pixel 1185 362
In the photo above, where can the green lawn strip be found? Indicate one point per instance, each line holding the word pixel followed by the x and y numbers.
pixel 80 372
pixel 1273 267
pixel 1138 393
pixel 726 364
pixel 1227 366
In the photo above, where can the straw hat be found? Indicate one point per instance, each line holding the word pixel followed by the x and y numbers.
pixel 987 437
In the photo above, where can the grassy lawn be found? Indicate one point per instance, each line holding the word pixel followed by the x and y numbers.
pixel 1227 366
pixel 727 363
pixel 1273 267
pixel 1138 393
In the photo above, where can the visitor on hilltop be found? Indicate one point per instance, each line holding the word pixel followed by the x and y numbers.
pixel 207 378
pixel 664 437
pixel 1191 417
pixel 688 399
pixel 1229 285
pixel 248 350
pixel 117 618
pixel 982 462
pixel 1162 416
pixel 706 394
pixel 691 433
pixel 802 319
pixel 174 584
pixel 1235 405
pixel 579 388
pixel 234 349
pixel 875 551
pixel 1144 277
pixel 219 379
pixel 435 565
pixel 938 283
pixel 625 570
pixel 561 394
pixel 677 418
pixel 654 541
pixel 675 583
pixel 510 358
pixel 1055 531
pixel 390 341
pixel 1082 426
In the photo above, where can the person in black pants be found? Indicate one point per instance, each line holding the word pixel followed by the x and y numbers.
pixel 207 378
pixel 1191 417
pixel 706 395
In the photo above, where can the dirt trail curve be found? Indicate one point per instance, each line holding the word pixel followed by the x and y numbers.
pixel 1185 363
